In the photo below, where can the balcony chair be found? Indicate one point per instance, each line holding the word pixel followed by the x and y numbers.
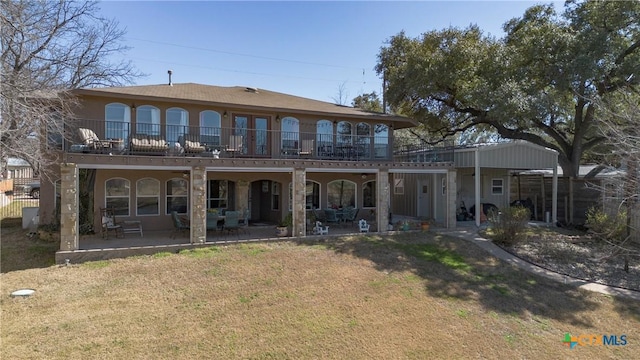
pixel 92 142
pixel 235 145
pixel 307 148
pixel 180 224
pixel 148 144
pixel 191 144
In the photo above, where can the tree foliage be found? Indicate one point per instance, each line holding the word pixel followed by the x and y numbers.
pixel 368 102
pixel 48 48
pixel 537 83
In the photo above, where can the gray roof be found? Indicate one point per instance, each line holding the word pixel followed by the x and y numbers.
pixel 16 162
pixel 507 155
pixel 242 97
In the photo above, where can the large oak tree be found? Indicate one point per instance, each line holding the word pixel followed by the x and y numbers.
pixel 48 48
pixel 537 83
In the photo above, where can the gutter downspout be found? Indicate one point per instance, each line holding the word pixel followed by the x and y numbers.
pixel 477 187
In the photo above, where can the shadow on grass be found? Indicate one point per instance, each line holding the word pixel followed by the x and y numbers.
pixel 18 251
pixel 456 269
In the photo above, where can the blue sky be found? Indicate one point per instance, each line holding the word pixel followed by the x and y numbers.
pixel 307 49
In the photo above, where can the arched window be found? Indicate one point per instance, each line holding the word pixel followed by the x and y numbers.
pixel 116 196
pixel 341 193
pixel 148 120
pixel 210 123
pixel 324 137
pixel 147 197
pixel 117 118
pixel 177 198
pixel 290 130
pixel 381 141
pixel 177 120
pixel 363 140
pixel 369 194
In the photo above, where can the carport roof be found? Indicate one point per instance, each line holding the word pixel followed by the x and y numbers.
pixel 508 155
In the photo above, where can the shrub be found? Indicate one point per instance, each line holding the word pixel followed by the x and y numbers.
pixel 607 227
pixel 508 224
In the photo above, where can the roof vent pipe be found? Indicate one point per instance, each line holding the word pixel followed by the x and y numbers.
pixel 170 72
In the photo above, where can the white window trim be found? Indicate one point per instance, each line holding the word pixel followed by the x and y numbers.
pixel 398 186
pixel 167 196
pixel 355 192
pixel 148 196
pixel 128 195
pixel 501 186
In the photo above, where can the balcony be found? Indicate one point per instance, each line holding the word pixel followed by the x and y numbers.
pixel 124 139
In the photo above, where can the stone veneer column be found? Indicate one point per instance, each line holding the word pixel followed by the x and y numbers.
pixel 198 215
pixel 299 180
pixel 382 196
pixel 450 206
pixel 69 200
pixel 242 196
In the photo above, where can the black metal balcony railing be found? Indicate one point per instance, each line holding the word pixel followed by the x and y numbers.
pixel 121 138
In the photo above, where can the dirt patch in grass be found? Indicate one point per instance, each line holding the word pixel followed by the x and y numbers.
pixel 413 296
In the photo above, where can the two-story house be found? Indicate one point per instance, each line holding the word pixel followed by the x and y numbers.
pixel 190 148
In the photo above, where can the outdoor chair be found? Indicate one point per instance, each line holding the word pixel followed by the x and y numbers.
pixel 191 144
pixel 307 147
pixel 320 229
pixel 232 222
pixel 180 224
pixel 235 144
pixel 91 141
pixel 108 223
pixel 363 226
pixel 350 214
pixel 331 216
pixel 244 221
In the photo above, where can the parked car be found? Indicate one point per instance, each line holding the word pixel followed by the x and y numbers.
pixel 33 189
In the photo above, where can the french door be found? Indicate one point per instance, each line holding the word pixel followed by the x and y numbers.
pixel 255 134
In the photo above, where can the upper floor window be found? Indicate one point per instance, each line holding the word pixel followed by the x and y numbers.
pixel 117 118
pixel 363 139
pixel 290 130
pixel 344 132
pixel 177 196
pixel 177 121
pixel 324 137
pixel 380 140
pixel 210 123
pixel 148 197
pixel 117 196
pixel 148 120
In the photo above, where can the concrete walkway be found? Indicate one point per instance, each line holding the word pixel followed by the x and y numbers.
pixel 471 234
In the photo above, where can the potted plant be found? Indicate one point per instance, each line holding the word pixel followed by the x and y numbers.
pixel 283 226
pixel 425 224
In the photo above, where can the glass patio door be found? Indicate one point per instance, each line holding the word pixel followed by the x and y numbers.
pixel 254 132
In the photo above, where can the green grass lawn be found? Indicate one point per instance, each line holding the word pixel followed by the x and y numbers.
pixel 407 296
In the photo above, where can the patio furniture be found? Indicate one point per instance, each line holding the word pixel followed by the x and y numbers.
pixel 350 214
pixel 180 224
pixel 235 144
pixel 320 229
pixel 191 144
pixel 363 226
pixel 331 216
pixel 244 221
pixel 108 221
pixel 232 221
pixel 92 142
pixel 148 144
pixel 131 227
pixel 307 147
